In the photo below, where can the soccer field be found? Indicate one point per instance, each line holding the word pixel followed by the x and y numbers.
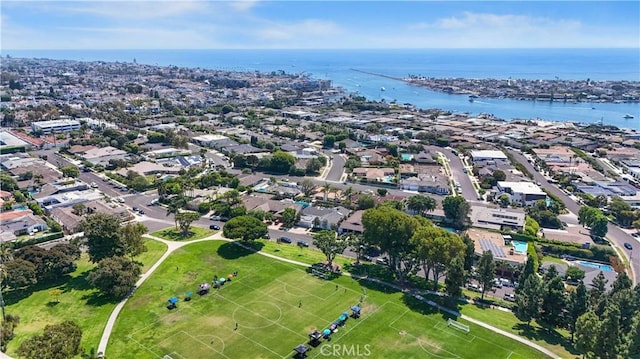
pixel 275 305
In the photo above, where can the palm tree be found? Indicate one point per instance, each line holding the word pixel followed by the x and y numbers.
pixel 326 189
pixel 175 206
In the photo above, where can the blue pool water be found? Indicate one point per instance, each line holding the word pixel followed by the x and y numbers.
pixel 521 247
pixel 602 267
pixel 406 157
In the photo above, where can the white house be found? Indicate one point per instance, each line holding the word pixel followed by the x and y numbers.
pixel 525 193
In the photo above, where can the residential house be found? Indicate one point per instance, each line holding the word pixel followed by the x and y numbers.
pixel 69 220
pixel 353 224
pixel 497 218
pixel 383 175
pixel 319 217
pixel 25 224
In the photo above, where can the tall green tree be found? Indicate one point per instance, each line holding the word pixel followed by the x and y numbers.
pixel 18 273
pixel 527 271
pixel 307 187
pixel 435 248
pixel 289 217
pixel 577 306
pixel 529 299
pixel 608 340
pixel 246 228
pixel 391 230
pixel 70 171
pixel 59 341
pixel 329 244
pixel 105 237
pixel 131 235
pixel 115 276
pixel 469 251
pixel 420 204
pixel 455 278
pixel 587 329
pixel 486 271
pixel 456 210
pixel 598 289
pixel 553 301
pixel 184 219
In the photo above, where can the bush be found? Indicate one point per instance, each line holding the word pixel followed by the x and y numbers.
pixel 38 240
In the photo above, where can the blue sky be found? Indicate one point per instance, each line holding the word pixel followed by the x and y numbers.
pixel 201 24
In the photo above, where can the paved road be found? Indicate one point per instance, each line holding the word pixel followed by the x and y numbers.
pixel 337 167
pixel 615 235
pixel 468 191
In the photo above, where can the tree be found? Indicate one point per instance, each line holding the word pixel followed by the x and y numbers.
pixel 329 244
pixel 176 204
pixel 456 209
pixel 622 282
pixel 574 274
pixel 289 217
pixel 435 248
pixel 455 278
pixel 529 299
pixel 469 251
pixel 49 264
pixel 553 301
pixel 531 227
pixel 382 192
pixel 70 171
pixel 79 209
pixel 366 202
pixel 577 306
pixel 19 273
pixel 115 276
pixel 184 219
pixel 504 200
pixel 307 187
pixel 281 162
pixel 55 294
pixel 608 339
pixel 59 341
pixel 499 175
pixel 599 226
pixel 246 228
pixel 587 214
pixel 391 230
pixel 328 141
pixel 131 235
pixel 587 329
pixel 420 204
pixel 598 289
pixel 102 234
pixel 486 271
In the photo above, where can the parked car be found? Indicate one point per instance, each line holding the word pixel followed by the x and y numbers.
pixel 215 218
pixel 266 236
pixel 628 246
pixel 214 226
pixel 382 261
pixel 475 287
pixel 636 234
pixel 366 258
pixel 94 185
pixel 510 297
pixel 141 211
pixel 284 239
pixel 135 209
pixel 302 244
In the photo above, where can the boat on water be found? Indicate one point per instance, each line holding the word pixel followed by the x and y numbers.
pixel 383 89
pixel 472 98
pixel 628 116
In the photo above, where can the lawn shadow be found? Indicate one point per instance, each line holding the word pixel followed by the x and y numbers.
pixel 424 308
pixel 16 295
pixel 174 235
pixel 98 299
pixel 235 250
pixel 52 303
pixel 78 283
pixel 546 334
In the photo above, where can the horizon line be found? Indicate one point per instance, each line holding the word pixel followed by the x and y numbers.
pixel 328 49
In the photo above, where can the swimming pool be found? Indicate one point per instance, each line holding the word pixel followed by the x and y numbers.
pixel 406 157
pixel 520 247
pixel 602 267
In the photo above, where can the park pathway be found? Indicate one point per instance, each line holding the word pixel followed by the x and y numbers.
pixel 172 246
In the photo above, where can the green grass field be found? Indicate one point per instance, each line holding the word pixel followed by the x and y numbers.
pixel 78 302
pixel 276 305
pixel 172 234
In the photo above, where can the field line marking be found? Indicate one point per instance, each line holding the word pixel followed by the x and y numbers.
pixel 398 318
pixel 254 342
pixel 145 347
pixel 205 344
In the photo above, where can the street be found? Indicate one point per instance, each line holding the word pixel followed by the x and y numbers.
pixel 616 236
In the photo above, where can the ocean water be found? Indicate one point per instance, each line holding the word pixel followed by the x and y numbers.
pixel 343 68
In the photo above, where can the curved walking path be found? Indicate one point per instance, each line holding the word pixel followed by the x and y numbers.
pixel 172 246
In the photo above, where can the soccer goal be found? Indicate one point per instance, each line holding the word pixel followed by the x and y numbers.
pixel 320 274
pixel 459 326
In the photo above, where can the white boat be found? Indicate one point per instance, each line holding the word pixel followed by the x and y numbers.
pixel 383 89
pixel 628 116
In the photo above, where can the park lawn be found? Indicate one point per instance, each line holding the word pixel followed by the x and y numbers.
pixel 173 234
pixel 155 250
pixel 78 302
pixel 556 340
pixel 275 305
pixel 294 252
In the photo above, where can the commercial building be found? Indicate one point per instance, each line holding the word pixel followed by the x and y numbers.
pixel 57 126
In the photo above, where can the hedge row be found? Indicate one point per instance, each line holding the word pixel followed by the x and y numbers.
pixel 558 248
pixel 38 240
